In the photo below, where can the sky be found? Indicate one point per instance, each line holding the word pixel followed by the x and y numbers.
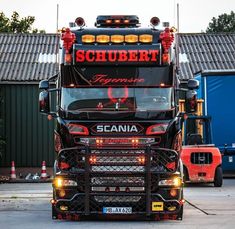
pixel 194 15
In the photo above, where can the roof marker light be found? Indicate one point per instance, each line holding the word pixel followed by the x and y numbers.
pixel 108 21
pixel 132 38
pixel 117 21
pixel 102 39
pixel 146 38
pixel 88 38
pixel 117 38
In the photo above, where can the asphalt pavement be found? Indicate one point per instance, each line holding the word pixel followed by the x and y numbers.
pixel 26 206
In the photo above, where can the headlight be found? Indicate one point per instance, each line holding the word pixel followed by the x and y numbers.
pixel 59 182
pixel 171 182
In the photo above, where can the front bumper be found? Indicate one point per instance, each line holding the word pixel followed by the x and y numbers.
pixel 135 201
pixel 116 180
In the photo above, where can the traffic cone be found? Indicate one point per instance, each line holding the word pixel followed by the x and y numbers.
pixel 13 170
pixel 43 172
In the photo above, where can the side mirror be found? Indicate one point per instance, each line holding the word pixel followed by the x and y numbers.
pixel 44 84
pixel 193 84
pixel 44 102
pixel 191 101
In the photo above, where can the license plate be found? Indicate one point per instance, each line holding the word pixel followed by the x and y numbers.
pixel 117 210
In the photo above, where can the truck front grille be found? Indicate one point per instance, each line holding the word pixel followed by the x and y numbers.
pixel 133 184
pixel 113 160
pixel 117 181
pixel 117 161
pixel 201 158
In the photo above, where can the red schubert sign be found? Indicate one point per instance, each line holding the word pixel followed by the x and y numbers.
pixel 107 55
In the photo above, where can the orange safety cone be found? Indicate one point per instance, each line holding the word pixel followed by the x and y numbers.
pixel 43 172
pixel 13 170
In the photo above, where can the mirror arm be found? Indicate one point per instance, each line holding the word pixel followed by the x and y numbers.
pixel 54 89
pixel 181 114
pixel 182 89
pixel 53 114
pixel 53 77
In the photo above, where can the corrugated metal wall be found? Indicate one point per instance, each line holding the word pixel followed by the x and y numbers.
pixel 29 135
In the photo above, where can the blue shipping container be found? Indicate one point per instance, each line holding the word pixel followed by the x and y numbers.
pixel 217 88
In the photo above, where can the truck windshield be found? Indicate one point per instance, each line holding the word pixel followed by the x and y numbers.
pixel 113 99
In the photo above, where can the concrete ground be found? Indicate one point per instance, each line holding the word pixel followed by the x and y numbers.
pixel 26 206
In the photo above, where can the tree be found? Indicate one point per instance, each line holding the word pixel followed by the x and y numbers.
pixel 224 23
pixel 15 24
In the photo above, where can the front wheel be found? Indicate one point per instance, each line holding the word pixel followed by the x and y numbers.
pixel 53 210
pixel 186 176
pixel 218 180
pixel 180 214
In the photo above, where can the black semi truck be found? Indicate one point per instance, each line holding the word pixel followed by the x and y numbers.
pixel 118 129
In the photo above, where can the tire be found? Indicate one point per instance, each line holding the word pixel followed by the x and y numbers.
pixel 185 176
pixel 180 214
pixel 218 180
pixel 54 213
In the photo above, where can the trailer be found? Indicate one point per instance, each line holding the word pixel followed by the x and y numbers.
pixel 217 91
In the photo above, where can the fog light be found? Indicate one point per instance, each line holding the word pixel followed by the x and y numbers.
pixel 53 201
pixel 171 208
pixel 69 183
pixel 58 182
pixel 177 181
pixel 64 208
pixel 171 182
pixel 173 192
pixel 62 193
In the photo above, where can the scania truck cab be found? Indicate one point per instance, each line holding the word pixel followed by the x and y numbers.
pixel 118 129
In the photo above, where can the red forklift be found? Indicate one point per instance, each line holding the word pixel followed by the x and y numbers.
pixel 201 159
